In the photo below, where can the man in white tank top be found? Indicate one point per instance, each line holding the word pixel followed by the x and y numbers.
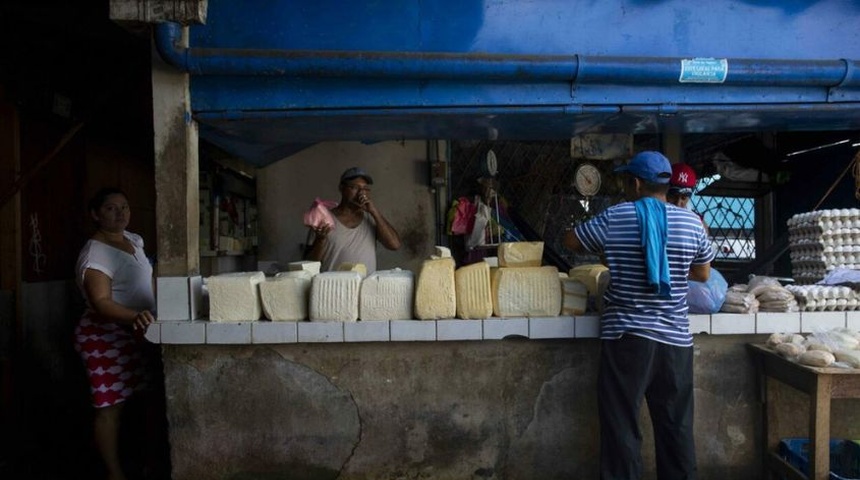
pixel 358 225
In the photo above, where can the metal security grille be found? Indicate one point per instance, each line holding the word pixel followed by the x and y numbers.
pixel 537 181
pixel 731 221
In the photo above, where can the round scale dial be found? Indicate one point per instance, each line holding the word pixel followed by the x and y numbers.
pixel 587 180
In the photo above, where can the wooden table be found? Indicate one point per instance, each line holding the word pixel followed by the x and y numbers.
pixel 822 385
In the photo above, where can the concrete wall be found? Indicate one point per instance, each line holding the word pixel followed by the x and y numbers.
pixel 401 192
pixel 512 409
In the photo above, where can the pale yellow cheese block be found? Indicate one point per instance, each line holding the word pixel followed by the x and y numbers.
pixel 526 292
pixel 574 297
pixel 435 295
pixel 334 296
pixel 285 297
pixel 235 297
pixel 520 254
pixel 442 252
pixel 307 265
pixel 352 267
pixel 596 279
pixel 473 292
pixel 387 295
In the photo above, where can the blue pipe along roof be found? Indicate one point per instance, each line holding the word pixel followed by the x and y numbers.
pixel 268 78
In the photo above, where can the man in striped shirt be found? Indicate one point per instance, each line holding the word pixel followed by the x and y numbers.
pixel 651 248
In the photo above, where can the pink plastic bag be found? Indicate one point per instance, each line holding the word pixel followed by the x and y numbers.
pixel 319 215
pixel 464 217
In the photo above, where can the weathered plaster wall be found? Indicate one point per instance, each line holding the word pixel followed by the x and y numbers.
pixel 401 192
pixel 512 409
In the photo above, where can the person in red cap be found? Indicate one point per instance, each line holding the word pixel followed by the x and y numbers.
pixel 681 184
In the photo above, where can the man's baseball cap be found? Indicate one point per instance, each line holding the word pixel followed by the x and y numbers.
pixel 683 176
pixel 649 166
pixel 356 172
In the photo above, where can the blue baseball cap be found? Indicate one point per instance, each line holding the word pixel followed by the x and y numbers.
pixel 649 166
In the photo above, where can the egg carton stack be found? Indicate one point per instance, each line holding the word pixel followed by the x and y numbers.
pixel 823 240
pixel 820 298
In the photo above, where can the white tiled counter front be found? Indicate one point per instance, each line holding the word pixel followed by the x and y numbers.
pixel 192 332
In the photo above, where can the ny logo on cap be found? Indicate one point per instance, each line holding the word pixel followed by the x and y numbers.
pixel 683 178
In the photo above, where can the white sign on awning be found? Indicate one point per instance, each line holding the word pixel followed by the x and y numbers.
pixel 704 70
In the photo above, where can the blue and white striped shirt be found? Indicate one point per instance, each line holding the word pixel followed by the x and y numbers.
pixel 631 306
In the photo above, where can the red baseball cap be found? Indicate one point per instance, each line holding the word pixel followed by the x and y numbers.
pixel 683 176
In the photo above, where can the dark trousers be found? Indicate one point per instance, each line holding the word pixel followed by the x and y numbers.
pixel 633 368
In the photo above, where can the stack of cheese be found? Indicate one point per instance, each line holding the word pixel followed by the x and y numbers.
pixel 521 286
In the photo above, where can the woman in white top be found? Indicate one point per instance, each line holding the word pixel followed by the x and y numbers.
pixel 115 278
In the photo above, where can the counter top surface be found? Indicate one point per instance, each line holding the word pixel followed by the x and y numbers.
pixel 195 332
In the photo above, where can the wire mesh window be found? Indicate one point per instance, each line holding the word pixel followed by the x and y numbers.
pixel 730 220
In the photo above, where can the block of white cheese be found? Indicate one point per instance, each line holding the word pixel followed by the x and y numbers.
pixel 334 296
pixel 235 297
pixel 520 254
pixel 285 296
pixel 352 267
pixel 526 292
pixel 492 261
pixel 435 296
pixel 473 292
pixel 574 299
pixel 387 295
pixel 442 252
pixel 306 265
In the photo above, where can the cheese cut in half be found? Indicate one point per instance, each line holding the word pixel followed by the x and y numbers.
pixel 434 291
pixel 526 292
pixel 306 265
pixel 352 267
pixel 596 279
pixel 334 296
pixel 285 297
pixel 574 297
pixel 520 254
pixel 473 292
pixel 235 297
pixel 387 295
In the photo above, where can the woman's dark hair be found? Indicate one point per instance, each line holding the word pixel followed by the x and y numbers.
pixel 99 198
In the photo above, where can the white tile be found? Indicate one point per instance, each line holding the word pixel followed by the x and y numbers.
pixel 818 321
pixel 195 291
pixel 700 324
pixel 153 333
pixel 551 327
pixel 499 328
pixel 172 298
pixel 853 320
pixel 413 330
pixel 586 326
pixel 367 331
pixel 459 330
pixel 732 323
pixel 237 333
pixel 184 333
pixel 776 322
pixel 320 332
pixel 274 332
